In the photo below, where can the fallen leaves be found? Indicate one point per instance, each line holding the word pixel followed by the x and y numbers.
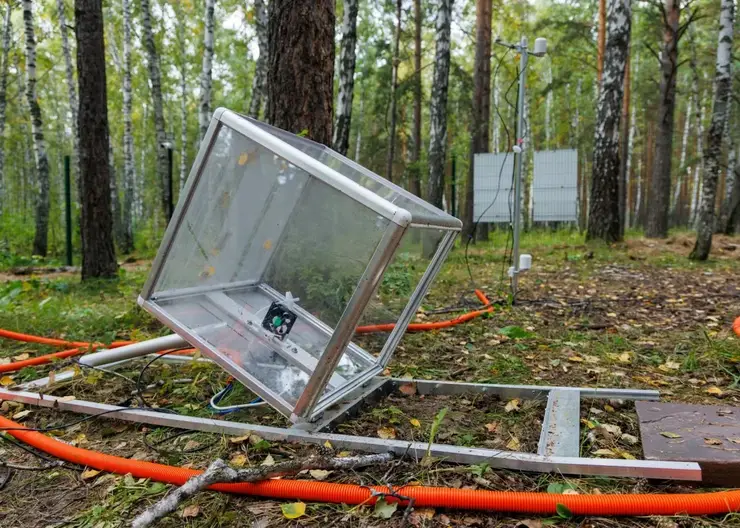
pixel 190 511
pixel 319 474
pixel 668 434
pixel 21 357
pixel 514 444
pixel 387 433
pixel 408 389
pixel 385 509
pixel 238 460
pixel 669 366
pixel 713 441
pixel 715 391
pixel 512 406
pixel 268 461
pixel 7 381
pixel 293 510
pixel 415 422
pixel 492 427
pixel 89 474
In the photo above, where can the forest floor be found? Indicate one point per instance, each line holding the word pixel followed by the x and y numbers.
pixel 637 315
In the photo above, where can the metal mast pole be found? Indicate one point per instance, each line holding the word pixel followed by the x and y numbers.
pixel 518 154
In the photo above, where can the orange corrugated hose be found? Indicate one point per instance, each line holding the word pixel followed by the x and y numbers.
pixel 504 501
pixel 421 327
pixel 736 327
pixel 83 347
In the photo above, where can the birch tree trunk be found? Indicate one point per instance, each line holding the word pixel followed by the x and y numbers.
pixel 69 75
pixel 394 89
pixel 415 169
pixel 600 43
pixel 259 87
pixel 660 180
pixel 42 161
pixel 206 76
pixel 129 176
pixel 624 141
pixel 96 222
pixel 698 164
pixel 630 151
pixel 732 185
pixel 346 77
pixel 548 106
pixel 358 140
pixel 155 79
pixel 682 162
pixel 720 108
pixel 603 219
pixel 438 107
pixel 7 30
pixel 481 112
pixel 300 80
pixel 495 121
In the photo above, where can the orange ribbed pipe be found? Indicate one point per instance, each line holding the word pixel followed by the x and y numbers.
pixel 736 327
pixel 82 347
pixel 422 327
pixel 503 501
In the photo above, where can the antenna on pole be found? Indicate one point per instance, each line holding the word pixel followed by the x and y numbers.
pixel 540 49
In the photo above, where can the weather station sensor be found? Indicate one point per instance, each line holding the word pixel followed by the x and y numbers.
pixel 274 255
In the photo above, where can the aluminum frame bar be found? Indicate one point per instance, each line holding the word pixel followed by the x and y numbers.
pixel 462 455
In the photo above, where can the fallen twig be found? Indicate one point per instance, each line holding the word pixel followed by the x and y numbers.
pixel 220 472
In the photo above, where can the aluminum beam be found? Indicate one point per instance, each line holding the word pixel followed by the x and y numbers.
pixel 450 453
pixel 561 431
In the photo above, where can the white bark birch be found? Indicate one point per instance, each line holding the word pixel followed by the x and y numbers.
pixel 259 81
pixel 696 184
pixel 358 140
pixel 7 29
pixel 548 106
pixel 343 121
pixel 720 110
pixel 604 222
pixel 129 171
pixel 71 88
pixel 40 240
pixel 206 76
pixel 682 159
pixel 631 140
pixel 155 80
pixel 438 107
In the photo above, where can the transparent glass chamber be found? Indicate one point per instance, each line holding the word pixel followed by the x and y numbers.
pixel 278 249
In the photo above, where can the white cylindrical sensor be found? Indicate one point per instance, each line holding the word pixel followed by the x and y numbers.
pixel 540 47
pixel 525 261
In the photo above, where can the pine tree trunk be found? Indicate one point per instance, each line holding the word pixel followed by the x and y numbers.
pixel 438 107
pixel 155 79
pixel 720 110
pixel 206 76
pixel 259 88
pixel 69 76
pixel 603 219
pixel 481 108
pixel 660 179
pixel 300 79
pixel 98 253
pixel 346 77
pixel 415 183
pixel 42 161
pixel 7 30
pixel 394 89
pixel 129 176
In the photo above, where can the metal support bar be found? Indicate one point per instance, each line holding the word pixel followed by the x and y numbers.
pixel 462 455
pixel 561 429
pixel 366 287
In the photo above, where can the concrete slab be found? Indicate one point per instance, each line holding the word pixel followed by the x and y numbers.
pixel 707 434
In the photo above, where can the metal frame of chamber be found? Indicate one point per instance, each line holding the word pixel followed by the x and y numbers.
pixel 558 447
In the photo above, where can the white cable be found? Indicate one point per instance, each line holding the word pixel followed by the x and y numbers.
pixel 216 407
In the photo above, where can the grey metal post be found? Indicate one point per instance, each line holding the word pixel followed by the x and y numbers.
pixel 518 166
